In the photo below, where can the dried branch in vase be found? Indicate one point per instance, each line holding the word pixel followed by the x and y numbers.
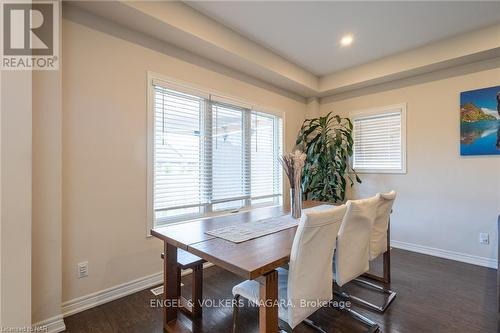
pixel 293 164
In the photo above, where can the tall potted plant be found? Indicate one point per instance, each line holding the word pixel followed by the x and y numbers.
pixel 328 143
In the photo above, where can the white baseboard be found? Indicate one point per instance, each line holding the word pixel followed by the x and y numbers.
pixel 107 295
pixel 51 325
pixel 457 256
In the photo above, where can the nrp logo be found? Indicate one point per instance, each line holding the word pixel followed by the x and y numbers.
pixel 30 35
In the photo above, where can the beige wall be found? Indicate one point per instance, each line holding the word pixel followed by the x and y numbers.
pixel 104 152
pixel 312 107
pixel 46 196
pixel 46 250
pixel 445 200
pixel 15 199
pixel 30 197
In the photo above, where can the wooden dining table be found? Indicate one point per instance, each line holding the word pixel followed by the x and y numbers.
pixel 255 259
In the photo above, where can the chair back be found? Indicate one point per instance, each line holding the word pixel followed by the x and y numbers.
pixel 310 268
pixel 353 242
pixel 378 239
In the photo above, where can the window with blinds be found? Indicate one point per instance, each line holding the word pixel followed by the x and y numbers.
pixel 210 157
pixel 379 140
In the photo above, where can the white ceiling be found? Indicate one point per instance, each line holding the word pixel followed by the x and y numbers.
pixel 308 32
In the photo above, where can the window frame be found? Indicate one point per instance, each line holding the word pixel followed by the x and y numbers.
pixel 177 85
pixel 378 111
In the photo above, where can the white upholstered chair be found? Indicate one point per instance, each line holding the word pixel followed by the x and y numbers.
pixel 378 239
pixel 309 276
pixel 353 242
pixel 353 247
pixel 380 245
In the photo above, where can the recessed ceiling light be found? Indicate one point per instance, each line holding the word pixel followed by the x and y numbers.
pixel 346 40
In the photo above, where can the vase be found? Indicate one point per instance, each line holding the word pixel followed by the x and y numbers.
pixel 296 202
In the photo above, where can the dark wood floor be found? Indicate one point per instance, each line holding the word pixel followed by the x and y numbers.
pixel 434 295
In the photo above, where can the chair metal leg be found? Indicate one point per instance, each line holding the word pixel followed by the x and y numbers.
pixel 312 324
pixel 380 308
pixel 235 311
pixel 372 326
pixel 284 327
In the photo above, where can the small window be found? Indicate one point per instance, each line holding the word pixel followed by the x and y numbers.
pixel 379 140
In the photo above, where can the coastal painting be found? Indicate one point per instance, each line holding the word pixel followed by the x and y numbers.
pixel 480 121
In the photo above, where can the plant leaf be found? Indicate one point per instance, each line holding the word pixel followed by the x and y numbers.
pixel 328 144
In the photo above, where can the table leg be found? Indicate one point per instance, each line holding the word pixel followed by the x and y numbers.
pixel 170 284
pixel 387 256
pixel 197 291
pixel 268 307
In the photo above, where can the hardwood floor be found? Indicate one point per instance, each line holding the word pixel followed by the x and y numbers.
pixel 434 295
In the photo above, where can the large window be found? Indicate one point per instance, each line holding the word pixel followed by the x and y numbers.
pixel 379 140
pixel 210 155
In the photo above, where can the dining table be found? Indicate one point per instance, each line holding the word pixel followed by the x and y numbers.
pixel 255 259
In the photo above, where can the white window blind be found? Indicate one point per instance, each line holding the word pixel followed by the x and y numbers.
pixel 210 157
pixel 178 175
pixel 265 147
pixel 229 173
pixel 378 141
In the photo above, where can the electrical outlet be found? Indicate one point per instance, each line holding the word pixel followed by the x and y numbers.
pixel 82 269
pixel 484 238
